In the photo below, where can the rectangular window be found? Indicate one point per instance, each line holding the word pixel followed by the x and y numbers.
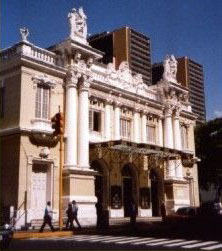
pixel 2 101
pixel 42 102
pixel 125 128
pixel 151 133
pixel 184 137
pixel 95 121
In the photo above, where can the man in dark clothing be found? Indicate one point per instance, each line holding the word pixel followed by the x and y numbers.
pixel 99 212
pixel 133 213
pixel 163 211
pixel 75 213
pixel 47 217
pixel 69 223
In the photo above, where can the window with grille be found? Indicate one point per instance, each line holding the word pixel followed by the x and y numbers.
pixel 151 133
pixel 125 128
pixel 95 121
pixel 184 137
pixel 42 102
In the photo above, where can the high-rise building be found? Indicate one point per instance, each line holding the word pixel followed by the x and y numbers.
pixel 125 44
pixel 190 75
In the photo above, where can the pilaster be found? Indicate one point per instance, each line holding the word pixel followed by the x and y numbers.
pixel 168 128
pixel 117 105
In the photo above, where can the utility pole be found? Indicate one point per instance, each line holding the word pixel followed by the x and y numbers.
pixel 58 126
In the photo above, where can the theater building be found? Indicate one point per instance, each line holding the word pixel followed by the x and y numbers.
pixel 123 139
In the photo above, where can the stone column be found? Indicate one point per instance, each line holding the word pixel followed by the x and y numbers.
pixel 83 123
pixel 168 129
pixel 176 130
pixel 143 128
pixel 108 121
pixel 136 126
pixel 117 121
pixel 160 131
pixel 71 119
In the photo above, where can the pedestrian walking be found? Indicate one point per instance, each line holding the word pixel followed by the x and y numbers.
pixel 75 213
pixel 132 213
pixel 99 212
pixel 47 217
pixel 163 211
pixel 69 223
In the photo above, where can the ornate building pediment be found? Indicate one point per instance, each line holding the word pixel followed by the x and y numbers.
pixel 124 79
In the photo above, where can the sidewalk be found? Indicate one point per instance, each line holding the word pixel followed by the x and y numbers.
pixel 116 226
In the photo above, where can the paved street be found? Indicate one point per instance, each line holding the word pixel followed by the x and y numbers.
pixel 111 242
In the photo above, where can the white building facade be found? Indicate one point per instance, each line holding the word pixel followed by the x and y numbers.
pixel 123 139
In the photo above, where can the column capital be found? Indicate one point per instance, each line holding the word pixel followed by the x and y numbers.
pixel 72 77
pixel 177 111
pixel 168 111
pixel 136 110
pixel 117 103
pixel 85 82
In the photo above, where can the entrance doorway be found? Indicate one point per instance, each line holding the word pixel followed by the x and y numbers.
pixel 41 189
pixel 155 193
pixel 129 193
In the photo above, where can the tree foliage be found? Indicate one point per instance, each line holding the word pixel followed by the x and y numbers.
pixel 208 141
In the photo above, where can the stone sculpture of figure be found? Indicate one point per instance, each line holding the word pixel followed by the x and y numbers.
pixel 170 69
pixel 24 33
pixel 77 22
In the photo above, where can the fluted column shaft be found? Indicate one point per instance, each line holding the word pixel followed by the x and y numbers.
pixel 116 122
pixel 107 121
pixel 160 131
pixel 83 128
pixel 176 131
pixel 71 120
pixel 143 128
pixel 136 129
pixel 168 129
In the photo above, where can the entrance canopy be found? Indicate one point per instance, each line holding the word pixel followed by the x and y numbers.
pixel 128 147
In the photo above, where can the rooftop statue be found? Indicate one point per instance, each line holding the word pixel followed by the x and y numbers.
pixel 170 69
pixel 77 23
pixel 24 33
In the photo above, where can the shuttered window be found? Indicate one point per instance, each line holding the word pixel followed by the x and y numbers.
pixel 151 133
pixel 125 128
pixel 42 102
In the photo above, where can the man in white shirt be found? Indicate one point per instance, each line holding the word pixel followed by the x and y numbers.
pixel 47 217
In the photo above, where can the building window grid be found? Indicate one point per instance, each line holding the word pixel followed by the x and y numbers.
pixel 151 133
pixel 125 128
pixel 42 102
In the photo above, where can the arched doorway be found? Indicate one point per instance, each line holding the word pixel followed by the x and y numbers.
pixel 155 196
pixel 129 188
pixel 101 182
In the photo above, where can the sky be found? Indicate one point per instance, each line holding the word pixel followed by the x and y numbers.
pixel 190 28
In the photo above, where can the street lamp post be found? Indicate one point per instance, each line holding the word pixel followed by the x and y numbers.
pixel 58 126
